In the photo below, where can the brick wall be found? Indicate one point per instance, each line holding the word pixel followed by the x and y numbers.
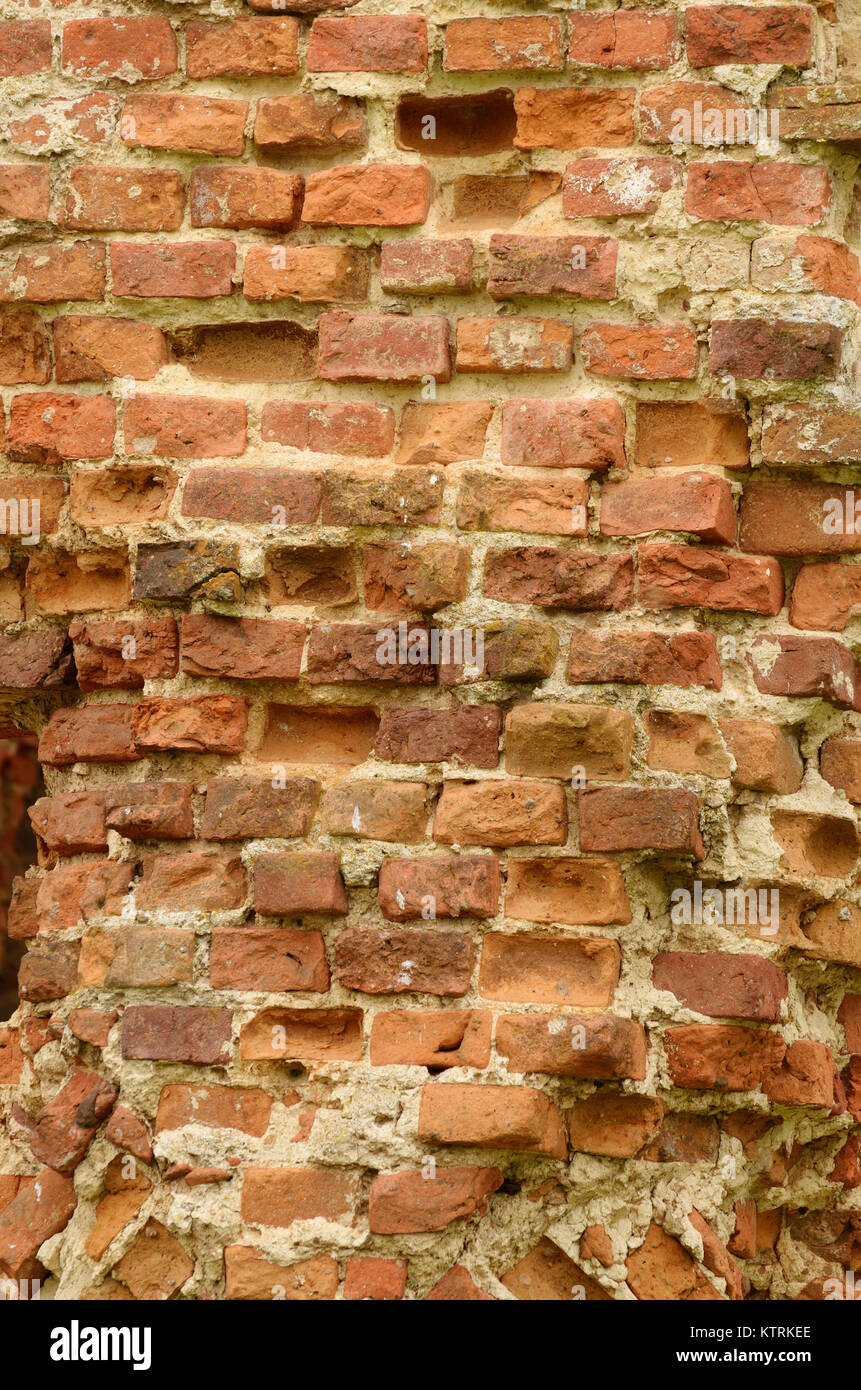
pixel 439 625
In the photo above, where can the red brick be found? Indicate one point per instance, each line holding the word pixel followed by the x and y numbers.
pixel 251 1276
pixel 825 596
pixel 25 47
pixel 390 811
pixel 45 428
pixel 551 266
pixel 39 1211
pixel 477 123
pixel 683 576
pixel 572 892
pixel 806 1076
pixel 369 1277
pixel 804 518
pixel 201 124
pixel 781 193
pixel 150 810
pixel 491 1117
pixel 180 269
pixel 580 973
pixel 243 1108
pixel 661 1268
pixel 356 428
pixel 387 497
pixel 60 121
pixel 368 43
pixel 623 39
pixel 65 584
pixel 132 49
pixel 426 267
pixel 722 985
pixel 368 195
pixel 780 350
pixel 303 123
pixel 63 1130
pixel 707 112
pixel 790 665
pixel 224 196
pixel 457 1286
pixel 241 648
pixel 275 961
pixel 409 960
pixel 849 1014
pixel 460 886
pixel 175 1033
pixel 816 844
pixel 290 884
pixel 308 1035
pixel 807 264
pixel 117 655
pixel 100 733
pixel 468 734
pixel 616 187
pixel 697 502
pixel 311 274
pixel 514 345
pixel 400 1203
pixel 209 723
pixel 840 766
pixel 561 433
pixel 73 823
pixel 251 808
pixel 705 1056
pixel 282 1196
pixel 716 34
pixel 383 347
pixel 614 1125
pixel 623 818
pixel 185 427
pixel 25 354
pixel 767 757
pixel 501 813
pixel 522 43
pixel 90 348
pixel 546 1274
pixel 35 660
pixel 198 880
pixel 49 273
pixel 252 495
pixel 545 507
pixel 596 1047
pixel 25 193
pixel 242 48
pixel 439 1039
pixel 555 740
pixel 555 578
pixel 810 434
pixel 573 118
pixel 640 351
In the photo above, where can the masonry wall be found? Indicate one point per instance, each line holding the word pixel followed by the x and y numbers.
pixel 362 964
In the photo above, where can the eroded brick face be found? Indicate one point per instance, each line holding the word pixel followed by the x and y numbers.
pixel 430 574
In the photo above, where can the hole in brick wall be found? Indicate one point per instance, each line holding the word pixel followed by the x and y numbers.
pixel 277 350
pixel 20 785
pixel 469 125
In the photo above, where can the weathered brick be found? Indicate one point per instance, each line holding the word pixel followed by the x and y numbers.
pixel 409 960
pixel 491 1117
pixel 368 43
pixel 202 124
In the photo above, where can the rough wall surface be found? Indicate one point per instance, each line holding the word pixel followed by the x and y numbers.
pixel 361 963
